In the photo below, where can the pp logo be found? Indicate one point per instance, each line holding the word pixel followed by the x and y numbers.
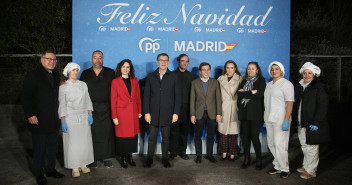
pixel 197 29
pixel 149 45
pixel 102 28
pixel 150 28
pixel 240 30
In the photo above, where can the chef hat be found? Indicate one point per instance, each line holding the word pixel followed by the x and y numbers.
pixel 69 67
pixel 278 64
pixel 308 65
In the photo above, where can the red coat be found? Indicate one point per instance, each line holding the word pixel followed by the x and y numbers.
pixel 125 107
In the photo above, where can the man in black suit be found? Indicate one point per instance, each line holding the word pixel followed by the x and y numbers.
pixel 40 104
pixel 161 106
pixel 180 130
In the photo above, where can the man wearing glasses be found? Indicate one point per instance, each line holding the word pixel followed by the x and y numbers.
pixel 161 106
pixel 40 104
pixel 98 79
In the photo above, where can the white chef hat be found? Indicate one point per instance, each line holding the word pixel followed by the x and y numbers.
pixel 278 64
pixel 308 65
pixel 69 67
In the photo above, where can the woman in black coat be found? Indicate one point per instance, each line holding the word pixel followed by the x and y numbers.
pixel 250 111
pixel 309 114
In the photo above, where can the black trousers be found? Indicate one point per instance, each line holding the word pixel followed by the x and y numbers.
pixel 45 146
pixel 179 136
pixel 250 132
pixel 165 141
pixel 211 129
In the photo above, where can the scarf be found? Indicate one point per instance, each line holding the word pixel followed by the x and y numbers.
pixel 248 86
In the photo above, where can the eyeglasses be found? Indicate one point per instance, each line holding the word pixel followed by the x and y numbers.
pixel 51 59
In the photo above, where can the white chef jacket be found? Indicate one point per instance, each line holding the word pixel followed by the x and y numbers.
pixel 275 97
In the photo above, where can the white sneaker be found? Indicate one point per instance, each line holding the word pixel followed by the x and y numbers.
pixel 75 172
pixel 85 169
pixel 306 175
pixel 301 170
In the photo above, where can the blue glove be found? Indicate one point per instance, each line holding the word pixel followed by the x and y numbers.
pixel 90 119
pixel 64 126
pixel 264 125
pixel 285 125
pixel 313 127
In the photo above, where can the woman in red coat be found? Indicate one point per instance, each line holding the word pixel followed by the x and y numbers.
pixel 125 110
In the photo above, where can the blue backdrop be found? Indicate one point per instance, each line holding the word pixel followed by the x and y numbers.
pixel 207 31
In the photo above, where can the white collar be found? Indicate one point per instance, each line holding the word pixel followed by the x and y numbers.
pixel 304 85
pixel 205 81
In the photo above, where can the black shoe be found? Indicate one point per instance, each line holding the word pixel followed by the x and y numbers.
pixel 93 165
pixel 166 162
pixel 108 163
pixel 41 180
pixel 273 171
pixel 123 162
pixel 284 175
pixel 199 159
pixel 246 162
pixel 211 158
pixel 172 156
pixel 55 174
pixel 130 160
pixel 184 156
pixel 148 163
pixel 258 165
pixel 223 158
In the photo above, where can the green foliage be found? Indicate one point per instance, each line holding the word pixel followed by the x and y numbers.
pixel 322 28
pixel 35 26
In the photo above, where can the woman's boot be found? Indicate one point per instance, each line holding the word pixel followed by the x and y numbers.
pixel 130 160
pixel 246 162
pixel 123 162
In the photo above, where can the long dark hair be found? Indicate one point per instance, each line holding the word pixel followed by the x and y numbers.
pixel 234 63
pixel 259 70
pixel 119 66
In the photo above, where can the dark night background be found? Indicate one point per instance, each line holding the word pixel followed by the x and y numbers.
pixel 318 27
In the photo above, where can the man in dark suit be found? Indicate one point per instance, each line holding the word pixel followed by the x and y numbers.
pixel 180 129
pixel 40 104
pixel 161 106
pixel 205 109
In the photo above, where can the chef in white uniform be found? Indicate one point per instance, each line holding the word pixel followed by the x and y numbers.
pixel 278 102
pixel 75 111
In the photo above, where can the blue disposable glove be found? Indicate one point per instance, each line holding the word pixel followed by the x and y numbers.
pixel 64 126
pixel 313 127
pixel 264 125
pixel 90 119
pixel 285 125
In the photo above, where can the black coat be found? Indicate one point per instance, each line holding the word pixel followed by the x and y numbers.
pixel 313 111
pixel 185 79
pixel 162 98
pixel 40 98
pixel 254 109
